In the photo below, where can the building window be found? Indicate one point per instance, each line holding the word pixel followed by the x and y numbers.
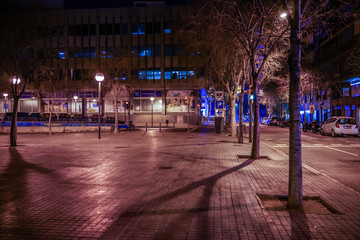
pixel 355 90
pixel 92 29
pixel 124 28
pixel 346 92
pixel 102 29
pixel 157 73
pixel 156 27
pixel 142 74
pixel 85 29
pixel 167 50
pixel 78 30
pixel 167 73
pixel 150 74
pixel 117 28
pixel 109 29
pixel 157 51
pixel 138 28
pixel 92 52
pixel 61 55
pixel 167 27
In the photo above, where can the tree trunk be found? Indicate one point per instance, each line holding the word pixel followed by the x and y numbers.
pixel 233 115
pixel 295 190
pixel 13 128
pixel 50 118
pixel 255 150
pixel 241 117
pixel 116 130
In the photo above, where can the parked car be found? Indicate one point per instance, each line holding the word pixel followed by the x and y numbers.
pixel 340 126
pixel 21 116
pixel 309 126
pixel 35 116
pixel 274 121
pixel 64 117
pixel 45 117
pixel 112 120
pixel 95 118
pixel 79 118
pixel 283 123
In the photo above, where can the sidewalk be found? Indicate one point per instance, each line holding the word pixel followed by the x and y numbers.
pixel 158 185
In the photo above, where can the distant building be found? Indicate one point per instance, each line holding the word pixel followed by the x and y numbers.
pixel 85 38
pixel 342 97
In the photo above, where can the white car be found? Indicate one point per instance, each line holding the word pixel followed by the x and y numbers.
pixel 340 126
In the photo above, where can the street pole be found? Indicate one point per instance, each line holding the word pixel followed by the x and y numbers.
pixel 152 111
pixel 99 77
pixel 99 110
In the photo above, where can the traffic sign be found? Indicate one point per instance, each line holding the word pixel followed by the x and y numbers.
pixel 312 108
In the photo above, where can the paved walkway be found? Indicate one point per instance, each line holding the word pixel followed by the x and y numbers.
pixel 168 185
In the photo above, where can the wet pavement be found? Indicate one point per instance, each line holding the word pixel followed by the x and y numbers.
pixel 158 185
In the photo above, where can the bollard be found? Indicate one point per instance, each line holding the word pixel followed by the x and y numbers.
pixel 244 128
pixel 145 126
pixel 160 127
pixel 174 126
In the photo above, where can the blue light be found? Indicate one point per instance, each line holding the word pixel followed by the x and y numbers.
pixel 167 31
pixel 61 55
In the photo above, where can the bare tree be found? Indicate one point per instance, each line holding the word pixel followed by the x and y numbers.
pixel 20 48
pixel 117 81
pixel 304 17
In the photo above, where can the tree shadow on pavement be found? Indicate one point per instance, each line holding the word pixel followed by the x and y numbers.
pixel 203 205
pixel 299 225
pixel 14 194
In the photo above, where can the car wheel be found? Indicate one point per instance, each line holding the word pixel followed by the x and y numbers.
pixel 333 134
pixel 322 132
pixel 355 135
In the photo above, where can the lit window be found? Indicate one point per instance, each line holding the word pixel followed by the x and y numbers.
pixel 142 74
pixel 157 73
pixel 61 55
pixel 150 74
pixel 167 73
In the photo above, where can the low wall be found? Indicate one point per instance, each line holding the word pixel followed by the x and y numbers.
pixel 62 129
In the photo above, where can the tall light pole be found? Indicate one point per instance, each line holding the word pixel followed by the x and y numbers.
pixel 6 102
pixel 99 77
pixel 152 111
pixel 75 98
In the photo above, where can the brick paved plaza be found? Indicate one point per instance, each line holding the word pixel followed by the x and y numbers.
pixel 168 185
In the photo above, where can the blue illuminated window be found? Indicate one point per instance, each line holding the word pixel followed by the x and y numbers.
pixel 62 55
pixel 142 74
pixel 138 28
pixel 190 74
pixel 182 74
pixel 167 27
pixel 157 73
pixel 150 74
pixel 167 73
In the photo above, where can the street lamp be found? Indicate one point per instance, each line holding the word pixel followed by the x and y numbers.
pixel 152 110
pixel 6 103
pixel 75 98
pixel 283 15
pixel 16 80
pixel 99 77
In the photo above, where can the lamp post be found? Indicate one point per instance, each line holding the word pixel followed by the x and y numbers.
pixel 75 98
pixel 152 110
pixel 99 77
pixel 6 103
